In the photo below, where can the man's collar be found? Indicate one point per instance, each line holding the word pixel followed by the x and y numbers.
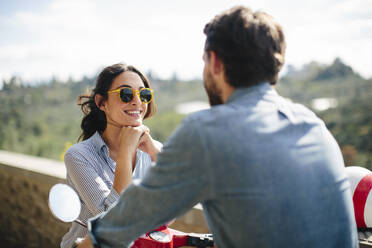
pixel 260 88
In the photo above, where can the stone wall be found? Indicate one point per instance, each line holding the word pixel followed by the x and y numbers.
pixel 25 219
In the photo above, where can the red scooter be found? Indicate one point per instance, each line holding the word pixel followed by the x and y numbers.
pixel 162 237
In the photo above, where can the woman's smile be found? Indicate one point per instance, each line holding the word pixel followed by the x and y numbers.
pixel 134 113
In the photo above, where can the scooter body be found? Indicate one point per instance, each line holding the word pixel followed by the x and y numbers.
pixel 164 237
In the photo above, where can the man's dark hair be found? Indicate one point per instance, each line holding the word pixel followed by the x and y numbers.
pixel 250 44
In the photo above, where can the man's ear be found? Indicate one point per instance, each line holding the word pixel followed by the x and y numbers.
pixel 100 102
pixel 215 61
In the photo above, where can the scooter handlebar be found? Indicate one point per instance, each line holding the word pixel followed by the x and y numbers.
pixel 200 240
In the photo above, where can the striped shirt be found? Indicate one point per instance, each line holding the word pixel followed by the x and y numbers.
pixel 90 171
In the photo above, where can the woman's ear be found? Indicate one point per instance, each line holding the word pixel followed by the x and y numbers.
pixel 100 102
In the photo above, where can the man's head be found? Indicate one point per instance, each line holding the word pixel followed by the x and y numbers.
pixel 250 45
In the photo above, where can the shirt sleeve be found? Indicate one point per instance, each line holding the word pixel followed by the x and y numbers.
pixel 90 186
pixel 175 184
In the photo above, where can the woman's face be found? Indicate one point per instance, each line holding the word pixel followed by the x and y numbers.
pixel 120 113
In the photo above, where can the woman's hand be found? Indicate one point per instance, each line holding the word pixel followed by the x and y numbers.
pixel 128 142
pixel 129 139
pixel 149 145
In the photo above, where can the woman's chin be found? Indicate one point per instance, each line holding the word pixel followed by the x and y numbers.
pixel 134 123
pixel 131 122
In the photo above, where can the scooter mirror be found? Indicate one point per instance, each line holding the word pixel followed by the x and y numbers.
pixel 64 203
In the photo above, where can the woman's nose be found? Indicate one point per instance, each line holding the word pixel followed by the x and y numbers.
pixel 136 99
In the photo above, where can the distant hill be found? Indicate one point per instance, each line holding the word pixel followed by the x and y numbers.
pixel 315 80
pixel 336 70
pixel 44 119
pixel 315 71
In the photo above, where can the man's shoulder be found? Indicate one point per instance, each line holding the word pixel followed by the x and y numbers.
pixel 191 127
pixel 299 108
pixel 199 116
pixel 299 111
pixel 210 115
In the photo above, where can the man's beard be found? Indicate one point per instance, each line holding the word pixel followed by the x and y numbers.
pixel 214 94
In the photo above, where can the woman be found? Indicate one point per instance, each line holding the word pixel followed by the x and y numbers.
pixel 115 147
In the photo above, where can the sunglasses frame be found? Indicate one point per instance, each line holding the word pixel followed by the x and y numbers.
pixel 137 92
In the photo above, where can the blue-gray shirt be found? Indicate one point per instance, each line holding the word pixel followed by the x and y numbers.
pixel 267 172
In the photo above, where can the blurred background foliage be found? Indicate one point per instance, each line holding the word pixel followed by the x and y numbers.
pixel 43 118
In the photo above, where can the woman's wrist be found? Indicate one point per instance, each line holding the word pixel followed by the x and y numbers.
pixel 156 147
pixel 123 175
pixel 125 155
pixel 127 149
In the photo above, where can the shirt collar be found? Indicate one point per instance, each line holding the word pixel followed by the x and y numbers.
pixel 258 89
pixel 98 141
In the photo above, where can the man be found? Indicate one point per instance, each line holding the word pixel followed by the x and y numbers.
pixel 267 172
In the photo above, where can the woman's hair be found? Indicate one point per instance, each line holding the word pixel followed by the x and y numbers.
pixel 95 119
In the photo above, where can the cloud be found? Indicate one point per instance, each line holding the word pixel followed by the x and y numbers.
pixel 76 37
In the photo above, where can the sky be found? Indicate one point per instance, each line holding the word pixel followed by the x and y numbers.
pixel 73 38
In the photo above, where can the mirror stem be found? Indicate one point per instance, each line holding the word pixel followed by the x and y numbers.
pixel 81 223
